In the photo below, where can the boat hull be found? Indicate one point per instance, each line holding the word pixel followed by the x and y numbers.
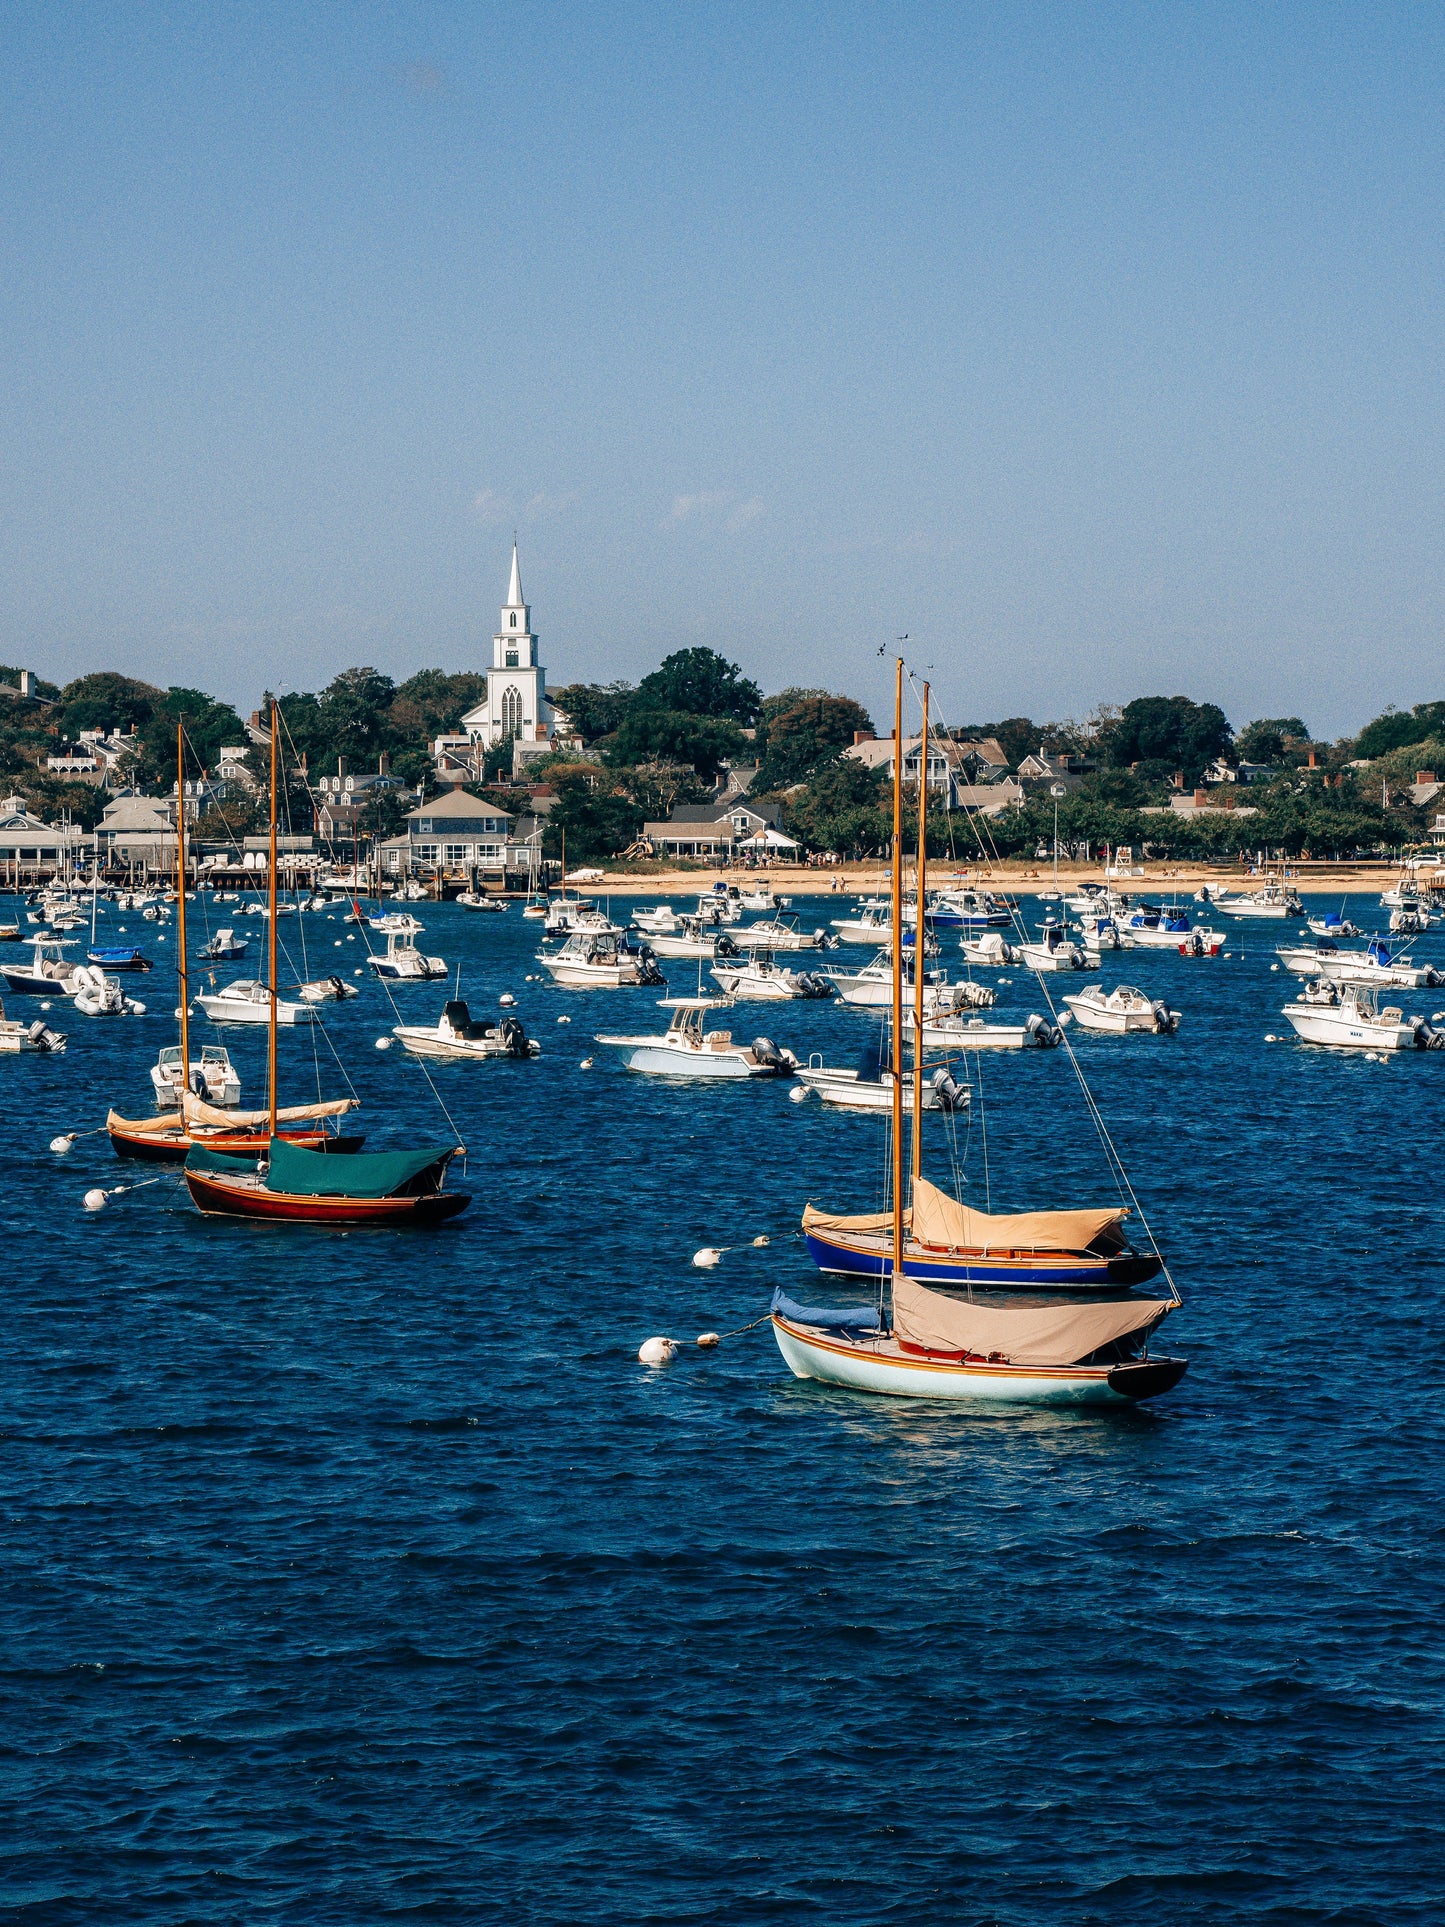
pixel 1326 1026
pixel 225 1198
pixel 876 1365
pixel 712 1067
pixel 151 1147
pixel 858 1257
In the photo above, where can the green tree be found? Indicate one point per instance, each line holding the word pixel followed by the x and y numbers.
pixel 841 808
pixel 1171 732
pixel 432 703
pixel 593 709
pixel 1399 728
pixel 674 736
pixel 107 700
pixel 208 725
pixel 700 682
pixel 1263 741
pixel 598 819
pixel 798 735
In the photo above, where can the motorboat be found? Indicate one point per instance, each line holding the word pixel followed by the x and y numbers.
pixel 949 1243
pixel 1054 950
pixel 1152 928
pixel 1377 963
pixel 1121 1010
pixel 479 900
pixel 17 1036
pixel 722 904
pixel 97 995
pixel 1202 942
pixel 1332 924
pixel 327 990
pixel 782 932
pixel 1100 933
pixel 247 1002
pixel 400 923
pixel 990 949
pixel 686 1050
pixel 1093 900
pixel 404 963
pixel 871 988
pixel 601 960
pixel 1277 900
pixel 1411 922
pixel 224 947
pixel 117 956
pixel 957 1030
pixel 969 909
pixel 757 977
pixel 460 1038
pixel 213 1077
pixel 760 896
pixel 570 912
pixel 49 971
pixel 694 938
pixel 1349 1017
pixel 873 923
pixel 868 1085
pixel 658 922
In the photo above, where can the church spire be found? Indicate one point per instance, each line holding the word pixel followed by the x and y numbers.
pixel 514 588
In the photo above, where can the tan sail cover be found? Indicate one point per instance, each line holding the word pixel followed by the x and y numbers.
pixel 166 1121
pixel 197 1111
pixel 939 1220
pixel 1024 1334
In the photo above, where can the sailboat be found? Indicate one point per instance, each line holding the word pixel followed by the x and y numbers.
pixel 974 1342
pixel 196 1092
pixel 282 1180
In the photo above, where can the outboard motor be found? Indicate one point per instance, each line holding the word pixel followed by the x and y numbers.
pixel 512 1034
pixel 724 946
pixel 1166 1021
pixel 952 1096
pixel 767 1052
pixel 813 985
pixel 1425 1035
pixel 1432 977
pixel 1046 1035
pixel 648 971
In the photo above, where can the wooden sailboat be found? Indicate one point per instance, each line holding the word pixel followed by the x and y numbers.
pixel 977 1344
pixel 282 1180
pixel 170 1137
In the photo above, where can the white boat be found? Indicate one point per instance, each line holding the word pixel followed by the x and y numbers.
pixel 658 922
pixel 958 1030
pixel 758 978
pixel 568 914
pixel 1332 925
pixel 873 924
pixel 869 1086
pixel 16 1036
pixel 722 904
pixel 1121 1010
pixel 1377 963
pixel 478 900
pixel 404 963
pixel 458 1037
pixel 213 1077
pixel 991 949
pixel 1276 900
pixel 1055 950
pixel 1349 1017
pixel 871 988
pixel 969 909
pixel 49 971
pixel 224 947
pixel 686 1050
pixel 601 960
pixel 1101 933
pixel 693 938
pixel 247 1002
pixel 759 896
pixel 782 933
pixel 399 922
pixel 1149 928
pixel 97 995
pixel 327 990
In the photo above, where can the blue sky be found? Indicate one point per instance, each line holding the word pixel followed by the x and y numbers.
pixel 1097 348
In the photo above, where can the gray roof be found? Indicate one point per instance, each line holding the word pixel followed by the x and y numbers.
pixel 454 807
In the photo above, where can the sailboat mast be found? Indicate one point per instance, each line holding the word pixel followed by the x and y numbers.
pixel 182 968
pixel 898 968
pixel 918 947
pixel 271 942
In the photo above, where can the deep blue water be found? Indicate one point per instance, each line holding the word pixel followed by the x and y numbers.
pixel 363 1578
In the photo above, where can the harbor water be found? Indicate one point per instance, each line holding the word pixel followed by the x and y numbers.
pixel 369 1577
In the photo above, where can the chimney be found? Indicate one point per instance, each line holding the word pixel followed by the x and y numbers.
pixel 255 719
pixel 27 683
pixel 1314 761
pixel 862 736
pixel 1424 776
pixel 1179 779
pixel 341 766
pixel 383 763
pixel 1201 799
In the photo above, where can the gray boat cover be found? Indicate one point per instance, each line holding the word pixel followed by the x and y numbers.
pixel 1023 1334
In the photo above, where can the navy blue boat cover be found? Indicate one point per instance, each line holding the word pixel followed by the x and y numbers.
pixel 856 1318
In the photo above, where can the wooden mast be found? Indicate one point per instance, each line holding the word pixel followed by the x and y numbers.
pixel 271 942
pixel 182 969
pixel 918 948
pixel 897 933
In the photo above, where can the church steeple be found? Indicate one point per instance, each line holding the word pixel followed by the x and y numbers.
pixel 514 646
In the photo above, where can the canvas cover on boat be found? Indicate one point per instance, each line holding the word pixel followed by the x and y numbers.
pixel 941 1221
pixel 166 1121
pixel 368 1174
pixel 197 1111
pixel 198 1158
pixel 1023 1334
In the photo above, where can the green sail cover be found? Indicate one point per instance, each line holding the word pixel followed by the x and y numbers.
pixel 198 1158
pixel 368 1174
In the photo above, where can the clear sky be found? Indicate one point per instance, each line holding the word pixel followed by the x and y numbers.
pixel 1097 348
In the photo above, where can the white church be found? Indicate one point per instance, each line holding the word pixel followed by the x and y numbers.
pixel 516 708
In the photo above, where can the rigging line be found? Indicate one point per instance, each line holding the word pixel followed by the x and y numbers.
pixel 420 1062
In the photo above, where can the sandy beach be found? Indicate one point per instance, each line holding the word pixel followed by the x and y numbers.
pixel 865 879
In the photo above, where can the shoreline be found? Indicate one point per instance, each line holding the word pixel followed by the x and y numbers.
pixel 871 879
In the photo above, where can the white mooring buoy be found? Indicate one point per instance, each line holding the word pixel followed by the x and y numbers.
pixel 60 1145
pixel 383 1043
pixel 585 1065
pixel 798 1094
pixel 709 1256
pixel 506 999
pixel 708 1340
pixel 654 1351
pixel 94 1200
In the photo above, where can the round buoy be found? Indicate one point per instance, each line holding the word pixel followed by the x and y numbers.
pixel 178 1013
pixel 1003 980
pixel 761 1241
pixel 585 1065
pixel 657 1351
pixel 60 1145
pixel 351 937
pixel 708 1340
pixel 1274 966
pixel 383 1043
pixel 705 1259
pixel 798 1094
pixel 45 1006
pixel 336 943
pixel 136 1010
pixel 94 1201
pixel 507 999
pixel 564 1020
pixel 1270 1038
pixel 356 973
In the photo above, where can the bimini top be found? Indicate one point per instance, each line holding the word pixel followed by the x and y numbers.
pixel 942 1222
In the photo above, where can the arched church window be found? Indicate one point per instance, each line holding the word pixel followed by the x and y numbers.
pixel 514 622
pixel 512 713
